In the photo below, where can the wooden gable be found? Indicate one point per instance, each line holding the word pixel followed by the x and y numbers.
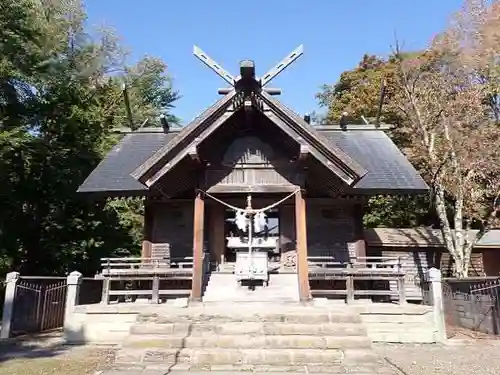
pixel 306 139
pixel 250 157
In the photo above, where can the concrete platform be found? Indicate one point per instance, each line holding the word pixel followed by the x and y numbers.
pixel 393 323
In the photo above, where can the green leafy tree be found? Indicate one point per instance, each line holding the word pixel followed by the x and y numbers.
pixel 57 113
pixel 358 92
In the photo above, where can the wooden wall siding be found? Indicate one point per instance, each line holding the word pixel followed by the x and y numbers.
pixel 476 267
pixel 184 176
pixel 227 145
pixel 287 235
pixel 216 235
pixel 251 150
pixel 491 262
pixel 173 227
pixel 249 160
pixel 245 175
pixel 146 251
pixel 287 227
pixel 415 263
pixel 330 230
pixel 322 182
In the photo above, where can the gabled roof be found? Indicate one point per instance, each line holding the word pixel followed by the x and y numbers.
pixel 340 163
pixel 112 174
pixel 194 129
pixel 424 237
pixel 388 169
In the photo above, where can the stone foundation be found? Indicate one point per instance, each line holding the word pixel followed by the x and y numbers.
pixel 111 324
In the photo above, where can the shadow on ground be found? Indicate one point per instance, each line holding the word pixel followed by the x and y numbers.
pixel 41 345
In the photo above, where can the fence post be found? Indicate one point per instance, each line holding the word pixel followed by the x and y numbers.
pixel 73 282
pixel 436 299
pixel 8 305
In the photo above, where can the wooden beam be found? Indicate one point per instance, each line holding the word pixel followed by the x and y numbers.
pixel 186 132
pixel 193 154
pixel 301 240
pixel 338 168
pixel 349 168
pixel 303 153
pixel 233 188
pixel 198 236
pixel 217 123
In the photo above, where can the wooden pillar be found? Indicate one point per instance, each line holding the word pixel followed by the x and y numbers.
pixel 359 230
pixel 147 230
pixel 198 237
pixel 287 232
pixel 301 239
pixel 216 235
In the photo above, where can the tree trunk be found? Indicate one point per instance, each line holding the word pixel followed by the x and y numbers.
pixel 461 270
pixel 456 247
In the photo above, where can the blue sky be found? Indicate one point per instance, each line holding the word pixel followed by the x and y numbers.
pixel 335 35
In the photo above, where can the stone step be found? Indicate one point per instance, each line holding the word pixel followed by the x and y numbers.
pixel 201 357
pixel 244 291
pixel 240 299
pixel 184 369
pixel 247 342
pixel 225 288
pixel 308 317
pixel 251 328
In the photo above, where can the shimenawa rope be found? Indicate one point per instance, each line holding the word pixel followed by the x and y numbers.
pixel 253 210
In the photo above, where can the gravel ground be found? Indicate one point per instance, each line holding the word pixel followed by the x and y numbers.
pixel 51 358
pixel 478 358
pixel 469 357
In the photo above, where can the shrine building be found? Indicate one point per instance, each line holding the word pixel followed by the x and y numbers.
pixel 252 190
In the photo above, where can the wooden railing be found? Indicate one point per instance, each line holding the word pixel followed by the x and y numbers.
pixel 150 278
pixel 326 262
pixel 123 266
pixel 367 269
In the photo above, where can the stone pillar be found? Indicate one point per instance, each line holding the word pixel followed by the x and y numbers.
pixel 436 298
pixel 73 282
pixel 8 305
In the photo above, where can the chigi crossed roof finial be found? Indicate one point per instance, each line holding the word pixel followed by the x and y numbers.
pixel 247 79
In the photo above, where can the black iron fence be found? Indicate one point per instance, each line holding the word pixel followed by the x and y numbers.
pixel 39 304
pixel 472 304
pixel 90 291
pixel 426 293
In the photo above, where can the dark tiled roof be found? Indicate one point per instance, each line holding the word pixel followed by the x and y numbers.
pixel 424 237
pixel 388 169
pixel 113 172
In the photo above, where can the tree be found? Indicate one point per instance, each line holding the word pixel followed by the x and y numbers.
pixel 442 98
pixel 358 93
pixel 57 113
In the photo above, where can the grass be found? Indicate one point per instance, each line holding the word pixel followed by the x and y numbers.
pixel 74 361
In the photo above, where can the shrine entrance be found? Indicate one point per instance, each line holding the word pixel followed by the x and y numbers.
pixel 251 247
pixel 268 235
